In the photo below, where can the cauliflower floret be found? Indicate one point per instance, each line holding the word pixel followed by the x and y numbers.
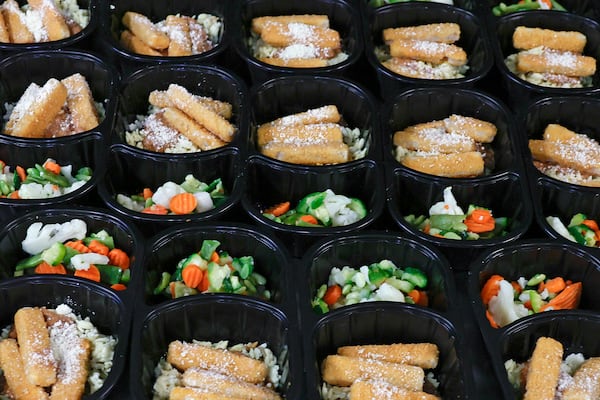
pixel 448 206
pixel 502 306
pixel 204 200
pixel 165 193
pixel 40 237
pixel 83 261
pixel 387 292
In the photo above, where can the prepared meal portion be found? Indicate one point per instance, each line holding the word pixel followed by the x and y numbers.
pixel 41 20
pixel 506 300
pixel 68 249
pixel 455 147
pixel 546 375
pixel 42 181
pixel 175 36
pixel 298 41
pixel 390 371
pixel 448 220
pixel 551 58
pixel 424 51
pixel 212 271
pixel 319 209
pixel 581 229
pixel 379 281
pixel 526 5
pixel 55 109
pixel 379 3
pixel 181 122
pixel 200 370
pixel 567 156
pixel 189 197
pixel 318 136
pixel 53 354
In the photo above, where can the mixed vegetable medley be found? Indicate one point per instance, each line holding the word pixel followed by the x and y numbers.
pixel 526 5
pixel 380 281
pixel 447 220
pixel 506 301
pixel 319 209
pixel 41 181
pixel 213 271
pixel 580 229
pixel 190 196
pixel 68 249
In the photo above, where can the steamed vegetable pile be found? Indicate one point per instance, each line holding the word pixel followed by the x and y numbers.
pixel 319 209
pixel 213 271
pixel 189 197
pixel 68 249
pixel 527 5
pixel 41 181
pixel 581 229
pixel 381 281
pixel 506 301
pixel 447 220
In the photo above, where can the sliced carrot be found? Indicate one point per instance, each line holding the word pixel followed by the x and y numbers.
pixel 119 258
pixel 419 297
pixel 147 193
pixel 491 288
pixel 555 285
pixel 183 203
pixel 92 273
pixel 192 275
pixel 78 245
pixel 52 167
pixel 414 294
pixel 516 287
pixel 205 283
pixel 568 299
pixel 278 209
pixel 489 317
pixel 309 219
pixel 156 209
pixel 214 257
pixel 118 286
pixel 14 195
pixel 98 247
pixel 45 268
pixel 590 223
pixel 172 289
pixel 480 220
pixel 548 3
pixel 426 228
pixel 21 172
pixel 332 294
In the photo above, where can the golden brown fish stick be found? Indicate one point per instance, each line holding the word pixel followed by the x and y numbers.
pixel 80 103
pixel 456 165
pixel 556 62
pixel 197 134
pixel 145 30
pixel 134 44
pixel 281 35
pixel 446 32
pixel 586 382
pixel 433 52
pixel 478 130
pixel 15 22
pixel 180 43
pixel 159 98
pixel 206 117
pixel 219 383
pixel 328 113
pixel 343 371
pixel 525 38
pixel 579 157
pixel 558 133
pixel 311 154
pixel 73 371
pixel 36 109
pixel 410 68
pixel 543 370
pixel 294 62
pixel 187 355
pixel 424 355
pixel 61 126
pixel 35 348
pixel 381 390
pixel 52 18
pixel 299 135
pixel 14 373
pixel 433 140
pixel 4 35
pixel 310 19
pixel 188 393
pixel 158 136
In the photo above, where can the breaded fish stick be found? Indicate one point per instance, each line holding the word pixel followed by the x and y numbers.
pixel 586 382
pixel 310 19
pixel 311 154
pixel 73 371
pixel 294 62
pixel 206 117
pixel 411 68
pixel 52 18
pixel 282 35
pixel 381 390
pixel 134 44
pixel 299 135
pixel 556 62
pixel 558 133
pixel 200 136
pixel 478 130
pixel 219 383
pixel 34 345
pixel 188 393
pixel 187 355
pixel 433 140
pixel 543 370
pixel 343 371
pixel 446 32
pixel 15 22
pixel 160 98
pixel 424 355
pixel 145 30
pixel 457 165
pixel 4 35
pixel 435 53
pixel 158 135
pixel 525 38
pixel 14 373
pixel 80 103
pixel 328 113
pixel 61 126
pixel 180 43
pixel 579 157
